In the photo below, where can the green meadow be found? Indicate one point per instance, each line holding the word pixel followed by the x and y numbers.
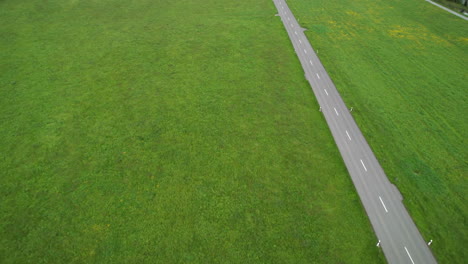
pixel 402 66
pixel 169 132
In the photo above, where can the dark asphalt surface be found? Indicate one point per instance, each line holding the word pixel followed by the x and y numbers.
pixel 399 237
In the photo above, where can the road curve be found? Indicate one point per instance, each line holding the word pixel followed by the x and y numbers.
pixel 399 237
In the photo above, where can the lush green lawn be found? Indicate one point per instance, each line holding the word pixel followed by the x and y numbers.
pixel 402 66
pixel 166 131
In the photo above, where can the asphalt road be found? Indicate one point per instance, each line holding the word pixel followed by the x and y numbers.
pixel 399 237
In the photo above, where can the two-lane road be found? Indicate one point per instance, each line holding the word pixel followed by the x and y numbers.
pixel 399 237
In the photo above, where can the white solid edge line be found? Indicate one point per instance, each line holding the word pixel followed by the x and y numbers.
pixel 325 91
pixel 383 204
pixel 336 111
pixel 318 76
pixel 311 63
pixel 446 9
pixel 363 165
pixel 348 134
pixel 407 252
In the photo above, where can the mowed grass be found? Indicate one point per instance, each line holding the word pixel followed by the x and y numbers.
pixel 166 132
pixel 402 66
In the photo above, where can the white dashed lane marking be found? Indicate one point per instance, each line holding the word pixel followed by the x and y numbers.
pixel 383 204
pixel 348 135
pixel 407 252
pixel 336 111
pixel 363 165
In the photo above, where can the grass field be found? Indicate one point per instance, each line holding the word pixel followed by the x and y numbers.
pixel 166 132
pixel 402 66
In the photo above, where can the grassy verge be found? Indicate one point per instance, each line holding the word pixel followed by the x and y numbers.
pixel 402 66
pixel 166 132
